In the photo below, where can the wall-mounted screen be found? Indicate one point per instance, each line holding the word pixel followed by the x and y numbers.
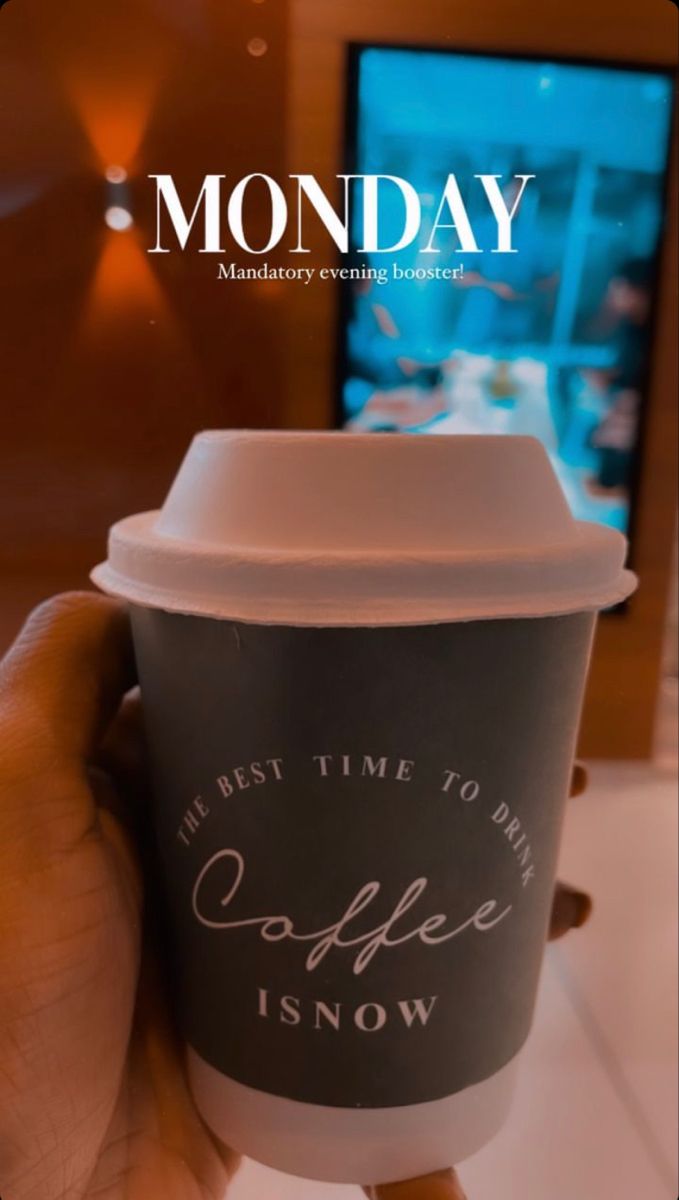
pixel 552 340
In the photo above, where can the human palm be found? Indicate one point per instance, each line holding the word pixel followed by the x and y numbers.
pixel 93 1101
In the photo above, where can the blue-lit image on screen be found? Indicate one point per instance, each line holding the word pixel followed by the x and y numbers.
pixel 551 341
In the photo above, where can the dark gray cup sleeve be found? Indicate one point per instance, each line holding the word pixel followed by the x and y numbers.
pixel 358 830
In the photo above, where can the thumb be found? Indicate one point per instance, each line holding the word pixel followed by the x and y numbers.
pixel 68 670
pixel 60 684
pixel 442 1185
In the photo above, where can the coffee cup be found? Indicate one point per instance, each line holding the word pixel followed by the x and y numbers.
pixel 362 661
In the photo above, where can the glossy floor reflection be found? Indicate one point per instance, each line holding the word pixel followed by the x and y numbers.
pixel 596 1109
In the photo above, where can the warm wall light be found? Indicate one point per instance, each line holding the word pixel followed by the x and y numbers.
pixel 257 47
pixel 118 218
pixel 118 213
pixel 116 174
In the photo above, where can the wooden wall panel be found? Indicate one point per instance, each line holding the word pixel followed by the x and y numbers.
pixel 112 358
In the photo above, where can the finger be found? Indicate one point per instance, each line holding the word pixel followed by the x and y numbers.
pixel 66 673
pixel 122 752
pixel 570 910
pixel 579 779
pixel 119 778
pixel 169 1144
pixel 442 1185
pixel 114 824
pixel 156 1038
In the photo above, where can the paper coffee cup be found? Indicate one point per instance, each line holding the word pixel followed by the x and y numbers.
pixel 362 660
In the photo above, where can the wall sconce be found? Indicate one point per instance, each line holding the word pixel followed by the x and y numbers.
pixel 118 213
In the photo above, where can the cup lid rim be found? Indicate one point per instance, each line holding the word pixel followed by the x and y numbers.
pixel 310 587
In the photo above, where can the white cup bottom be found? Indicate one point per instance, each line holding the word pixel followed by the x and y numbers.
pixel 346 1145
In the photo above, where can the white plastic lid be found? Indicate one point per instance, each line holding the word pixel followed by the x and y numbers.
pixel 364 529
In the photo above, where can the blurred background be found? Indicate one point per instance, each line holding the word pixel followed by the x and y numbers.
pixel 554 340
pixel 112 359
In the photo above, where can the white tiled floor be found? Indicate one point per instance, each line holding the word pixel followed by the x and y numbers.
pixel 595 1114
